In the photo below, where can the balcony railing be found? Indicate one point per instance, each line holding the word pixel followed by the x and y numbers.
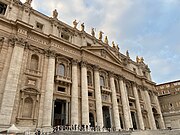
pixel 105 90
pixel 63 79
pixel 33 72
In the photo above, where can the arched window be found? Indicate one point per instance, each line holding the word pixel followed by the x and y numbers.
pixel 89 78
pixel 27 108
pixel 61 70
pixel 102 81
pixel 34 62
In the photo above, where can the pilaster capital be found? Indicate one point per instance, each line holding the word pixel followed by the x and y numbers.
pixel 111 74
pixel 121 77
pixel 134 84
pixel 74 61
pixel 50 53
pixel 84 63
pixel 16 41
pixel 96 68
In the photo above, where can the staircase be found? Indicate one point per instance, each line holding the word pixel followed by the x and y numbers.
pixel 146 132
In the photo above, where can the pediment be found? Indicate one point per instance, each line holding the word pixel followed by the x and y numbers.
pixel 107 53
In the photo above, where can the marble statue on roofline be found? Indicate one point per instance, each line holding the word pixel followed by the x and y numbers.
pixel 82 27
pixel 28 2
pixel 139 59
pixel 100 35
pixel 106 40
pixel 92 32
pixel 55 14
pixel 75 23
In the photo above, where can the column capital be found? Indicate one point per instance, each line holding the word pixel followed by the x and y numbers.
pixel 96 67
pixel 111 74
pixel 50 53
pixel 134 84
pixel 84 63
pixel 74 61
pixel 121 77
pixel 16 41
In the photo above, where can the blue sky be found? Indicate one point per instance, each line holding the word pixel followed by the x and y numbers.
pixel 148 28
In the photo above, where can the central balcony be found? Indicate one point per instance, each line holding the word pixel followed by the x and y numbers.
pixel 63 79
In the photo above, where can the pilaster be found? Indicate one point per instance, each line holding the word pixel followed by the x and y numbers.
pixel 48 99
pixel 11 84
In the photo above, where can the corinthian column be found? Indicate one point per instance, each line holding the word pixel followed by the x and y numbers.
pixel 125 103
pixel 149 109
pixel 115 104
pixel 11 85
pixel 74 94
pixel 138 107
pixel 98 98
pixel 84 95
pixel 48 99
pixel 161 120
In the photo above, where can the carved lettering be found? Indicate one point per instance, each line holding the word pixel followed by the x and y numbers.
pixel 21 31
pixel 37 40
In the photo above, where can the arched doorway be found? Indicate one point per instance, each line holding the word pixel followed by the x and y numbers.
pixel 91 119
pixel 106 117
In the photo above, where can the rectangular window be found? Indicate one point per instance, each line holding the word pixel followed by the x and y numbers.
pixel 2 8
pixel 39 26
pixel 65 36
pixel 90 94
pixel 61 89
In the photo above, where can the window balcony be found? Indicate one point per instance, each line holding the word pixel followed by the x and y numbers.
pixel 33 72
pixel 63 79
pixel 105 90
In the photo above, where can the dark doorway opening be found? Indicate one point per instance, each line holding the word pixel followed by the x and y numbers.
pixel 133 116
pixel 106 117
pixel 59 112
pixel 91 119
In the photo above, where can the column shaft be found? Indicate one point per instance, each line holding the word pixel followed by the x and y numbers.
pixel 138 107
pixel 84 95
pixel 115 104
pixel 149 109
pixel 125 103
pixel 48 99
pixel 98 99
pixel 11 85
pixel 74 95
pixel 161 120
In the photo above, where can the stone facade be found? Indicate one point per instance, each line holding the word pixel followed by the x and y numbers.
pixel 54 74
pixel 169 98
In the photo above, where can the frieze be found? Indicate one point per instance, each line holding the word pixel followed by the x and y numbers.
pixel 36 39
pixel 65 49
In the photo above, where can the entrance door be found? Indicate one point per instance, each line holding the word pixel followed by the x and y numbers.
pixel 106 117
pixel 59 112
pixel 91 119
pixel 133 116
